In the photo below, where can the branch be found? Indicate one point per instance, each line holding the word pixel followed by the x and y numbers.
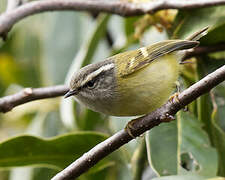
pixel 140 125
pixel 200 50
pixel 7 103
pixel 12 4
pixel 8 19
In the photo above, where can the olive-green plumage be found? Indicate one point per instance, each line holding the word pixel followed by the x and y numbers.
pixel 134 82
pixel 150 88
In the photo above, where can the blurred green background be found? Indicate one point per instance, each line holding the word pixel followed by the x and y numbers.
pixel 40 138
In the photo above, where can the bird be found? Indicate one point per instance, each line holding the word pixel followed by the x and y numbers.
pixel 134 82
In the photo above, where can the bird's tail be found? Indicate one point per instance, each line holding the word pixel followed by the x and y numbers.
pixel 197 35
pixel 194 37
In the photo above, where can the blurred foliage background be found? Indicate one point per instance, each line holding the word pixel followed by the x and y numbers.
pixel 40 138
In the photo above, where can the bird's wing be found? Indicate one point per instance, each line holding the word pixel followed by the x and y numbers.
pixel 132 61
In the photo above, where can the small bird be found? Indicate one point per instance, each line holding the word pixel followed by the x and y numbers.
pixel 134 82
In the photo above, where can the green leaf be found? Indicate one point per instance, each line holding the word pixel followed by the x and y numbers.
pixel 41 173
pixel 37 127
pixel 218 122
pixel 188 22
pixel 215 35
pixel 213 117
pixel 194 150
pixel 219 140
pixel 220 98
pixel 204 106
pixel 162 148
pixel 57 152
pixel 188 176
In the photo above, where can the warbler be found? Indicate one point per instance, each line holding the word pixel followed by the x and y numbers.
pixel 134 82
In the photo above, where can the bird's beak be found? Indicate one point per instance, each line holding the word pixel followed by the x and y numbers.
pixel 70 93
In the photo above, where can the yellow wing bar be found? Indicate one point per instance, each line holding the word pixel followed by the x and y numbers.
pixel 135 60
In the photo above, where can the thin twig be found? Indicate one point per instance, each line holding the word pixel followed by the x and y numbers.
pixel 7 103
pixel 8 19
pixel 12 4
pixel 140 125
pixel 204 50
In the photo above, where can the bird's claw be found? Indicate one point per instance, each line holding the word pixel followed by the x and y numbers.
pixel 174 97
pixel 129 127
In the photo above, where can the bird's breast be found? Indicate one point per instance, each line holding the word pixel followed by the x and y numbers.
pixel 148 88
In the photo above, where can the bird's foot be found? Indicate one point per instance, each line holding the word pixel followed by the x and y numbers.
pixel 174 97
pixel 129 128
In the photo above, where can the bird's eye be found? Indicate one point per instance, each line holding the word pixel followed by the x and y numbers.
pixel 91 84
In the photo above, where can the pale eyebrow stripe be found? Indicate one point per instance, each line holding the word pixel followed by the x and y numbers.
pixel 97 72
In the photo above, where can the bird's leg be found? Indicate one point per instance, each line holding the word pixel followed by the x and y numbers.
pixel 175 96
